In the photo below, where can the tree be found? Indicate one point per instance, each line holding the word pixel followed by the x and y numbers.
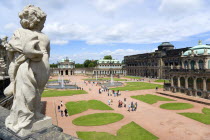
pixel 86 63
pixel 79 65
pixel 53 65
pixel 109 57
pixel 91 65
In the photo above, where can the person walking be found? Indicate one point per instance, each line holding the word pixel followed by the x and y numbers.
pixel 66 112
pixel 132 106
pixel 156 89
pixel 124 103
pixel 59 108
pixel 61 103
pixel 129 106
pixel 109 101
pixel 135 106
pixel 61 113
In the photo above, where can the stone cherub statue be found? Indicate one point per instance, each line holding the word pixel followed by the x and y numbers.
pixel 28 51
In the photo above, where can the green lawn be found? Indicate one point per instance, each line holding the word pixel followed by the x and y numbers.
pixel 161 81
pixel 176 106
pixel 133 77
pixel 115 79
pixel 97 119
pixel 131 131
pixel 81 106
pixel 151 99
pixel 55 93
pixel 203 118
pixel 137 86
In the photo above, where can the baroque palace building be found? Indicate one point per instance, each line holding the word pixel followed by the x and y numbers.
pixel 192 77
pixel 188 69
pixel 155 64
pixel 108 67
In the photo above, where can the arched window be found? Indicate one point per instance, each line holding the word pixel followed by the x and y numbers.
pixel 200 64
pixel 192 63
pixel 175 81
pixel 199 82
pixel 186 65
pixel 182 82
pixel 190 82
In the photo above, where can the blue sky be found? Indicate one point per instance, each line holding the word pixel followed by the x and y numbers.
pixel 90 29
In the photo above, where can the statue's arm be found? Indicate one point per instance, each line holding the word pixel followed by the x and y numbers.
pixel 30 51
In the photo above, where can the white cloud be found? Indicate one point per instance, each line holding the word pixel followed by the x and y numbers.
pixel 59 42
pixel 134 21
pixel 180 6
pixel 112 5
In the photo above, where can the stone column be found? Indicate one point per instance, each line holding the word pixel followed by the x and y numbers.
pixel 178 78
pixel 205 63
pixel 196 64
pixel 186 82
pixel 204 84
pixel 172 82
pixel 195 83
pixel 183 65
pixel 189 66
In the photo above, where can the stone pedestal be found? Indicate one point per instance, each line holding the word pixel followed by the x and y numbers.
pixel 42 123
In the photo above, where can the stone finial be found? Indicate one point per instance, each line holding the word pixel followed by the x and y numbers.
pixel 192 53
pixel 205 51
pixel 199 42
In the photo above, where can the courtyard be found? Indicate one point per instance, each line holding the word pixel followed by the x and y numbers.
pixel 90 116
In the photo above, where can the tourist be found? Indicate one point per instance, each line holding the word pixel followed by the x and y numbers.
pixel 61 113
pixel 129 106
pixel 119 103
pixel 61 103
pixel 66 112
pixel 135 106
pixel 99 90
pixel 124 103
pixel 109 102
pixel 59 108
pixel 156 89
pixel 132 106
pixel 119 93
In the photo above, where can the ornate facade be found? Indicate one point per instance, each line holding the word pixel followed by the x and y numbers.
pixel 192 77
pixel 108 67
pixel 65 67
pixel 155 64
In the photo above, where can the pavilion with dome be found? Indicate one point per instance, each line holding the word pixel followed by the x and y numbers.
pixel 193 75
pixel 65 67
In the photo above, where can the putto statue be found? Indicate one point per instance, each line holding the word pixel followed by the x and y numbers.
pixel 28 51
